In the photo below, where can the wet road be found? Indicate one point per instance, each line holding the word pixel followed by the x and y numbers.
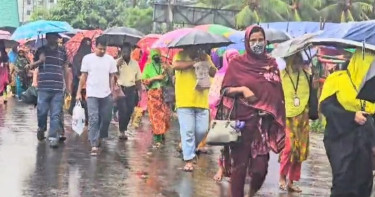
pixel 129 169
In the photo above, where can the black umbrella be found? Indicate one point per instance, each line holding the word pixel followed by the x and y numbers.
pixel 200 38
pixel 367 90
pixel 117 36
pixel 8 29
pixel 276 36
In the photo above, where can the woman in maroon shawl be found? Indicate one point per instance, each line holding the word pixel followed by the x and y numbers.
pixel 253 79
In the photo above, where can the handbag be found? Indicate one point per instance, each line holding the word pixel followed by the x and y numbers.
pixel 313 99
pixel 223 132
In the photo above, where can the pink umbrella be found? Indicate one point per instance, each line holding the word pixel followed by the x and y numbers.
pixel 5 37
pixel 147 41
pixel 167 38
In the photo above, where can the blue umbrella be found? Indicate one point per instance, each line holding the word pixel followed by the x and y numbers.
pixel 37 28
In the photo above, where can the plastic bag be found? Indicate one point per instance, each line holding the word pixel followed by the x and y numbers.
pixel 78 119
pixel 30 96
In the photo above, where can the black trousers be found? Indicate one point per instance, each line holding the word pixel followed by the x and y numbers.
pixel 126 106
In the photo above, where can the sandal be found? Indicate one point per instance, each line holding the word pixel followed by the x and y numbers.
pixel 293 188
pixel 122 136
pixel 188 167
pixel 94 151
pixel 283 186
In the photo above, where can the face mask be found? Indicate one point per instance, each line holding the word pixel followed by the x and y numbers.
pixel 156 59
pixel 257 48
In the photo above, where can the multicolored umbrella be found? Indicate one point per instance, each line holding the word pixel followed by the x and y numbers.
pixel 216 29
pixel 73 44
pixel 146 42
pixel 37 28
pixel 5 37
pixel 167 38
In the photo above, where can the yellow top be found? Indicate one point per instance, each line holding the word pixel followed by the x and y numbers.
pixel 186 94
pixel 129 74
pixel 303 91
pixel 339 83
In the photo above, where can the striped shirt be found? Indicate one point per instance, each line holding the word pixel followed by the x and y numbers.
pixel 51 72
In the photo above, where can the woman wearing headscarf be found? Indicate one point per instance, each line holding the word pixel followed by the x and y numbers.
pixel 295 81
pixel 4 71
pixel 253 80
pixel 22 73
pixel 154 78
pixel 83 50
pixel 349 130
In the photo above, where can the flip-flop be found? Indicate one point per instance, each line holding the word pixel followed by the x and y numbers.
pixel 122 136
pixel 294 189
pixel 94 152
pixel 283 187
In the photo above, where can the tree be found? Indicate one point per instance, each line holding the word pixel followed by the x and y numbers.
pixel 39 14
pixel 348 10
pixel 99 14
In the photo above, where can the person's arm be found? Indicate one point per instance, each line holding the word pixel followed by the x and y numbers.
pixel 82 82
pixel 113 74
pixel 40 58
pixel 241 91
pixel 68 78
pixel 138 79
pixel 342 120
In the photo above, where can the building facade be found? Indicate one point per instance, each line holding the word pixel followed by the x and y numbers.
pixel 9 13
pixel 26 7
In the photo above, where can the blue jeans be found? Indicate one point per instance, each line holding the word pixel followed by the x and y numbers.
pixel 194 124
pixel 100 116
pixel 51 102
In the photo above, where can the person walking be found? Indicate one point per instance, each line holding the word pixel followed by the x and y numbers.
pixel 296 86
pixel 51 61
pixel 4 71
pixel 191 103
pixel 83 50
pixel 155 79
pixel 97 72
pixel 349 133
pixel 129 80
pixel 253 82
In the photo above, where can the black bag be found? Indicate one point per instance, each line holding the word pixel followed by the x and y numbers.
pixel 30 96
pixel 313 99
pixel 169 94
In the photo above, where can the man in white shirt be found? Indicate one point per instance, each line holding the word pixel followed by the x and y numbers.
pixel 98 72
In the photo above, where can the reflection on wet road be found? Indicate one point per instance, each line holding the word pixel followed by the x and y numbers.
pixel 130 169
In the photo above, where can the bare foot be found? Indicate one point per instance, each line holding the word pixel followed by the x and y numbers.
pixel 189 167
pixel 219 175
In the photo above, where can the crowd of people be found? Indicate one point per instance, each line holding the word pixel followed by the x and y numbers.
pixel 274 105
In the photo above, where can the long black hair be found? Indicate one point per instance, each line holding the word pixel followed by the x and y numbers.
pixel 3 54
pixel 84 49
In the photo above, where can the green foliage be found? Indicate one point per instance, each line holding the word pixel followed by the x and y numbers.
pixel 100 14
pixel 254 11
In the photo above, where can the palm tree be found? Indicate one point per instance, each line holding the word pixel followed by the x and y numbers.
pixel 257 11
pixel 348 10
